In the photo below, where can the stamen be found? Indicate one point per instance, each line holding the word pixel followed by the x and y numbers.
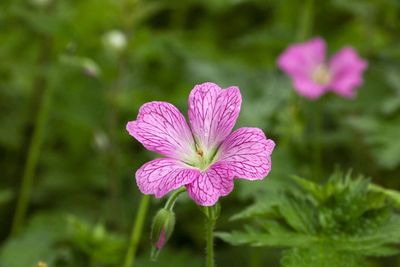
pixel 203 157
pixel 200 152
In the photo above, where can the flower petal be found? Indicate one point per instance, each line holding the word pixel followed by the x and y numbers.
pixel 215 182
pixel 299 61
pixel 308 88
pixel 213 112
pixel 161 128
pixel 248 153
pixel 346 69
pixel 161 176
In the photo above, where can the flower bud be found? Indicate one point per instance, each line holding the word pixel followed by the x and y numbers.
pixel 161 230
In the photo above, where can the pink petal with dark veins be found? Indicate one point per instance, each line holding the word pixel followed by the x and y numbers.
pixel 161 128
pixel 346 70
pixel 213 112
pixel 215 182
pixel 161 176
pixel 299 61
pixel 248 153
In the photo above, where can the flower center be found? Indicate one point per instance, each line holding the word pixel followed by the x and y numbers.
pixel 321 75
pixel 203 158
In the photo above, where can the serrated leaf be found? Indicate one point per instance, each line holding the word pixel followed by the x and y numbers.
pixel 257 239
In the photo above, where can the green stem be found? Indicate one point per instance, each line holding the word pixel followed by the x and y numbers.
pixel 255 257
pixel 137 231
pixel 317 143
pixel 210 242
pixel 212 213
pixel 306 20
pixel 31 162
pixel 172 199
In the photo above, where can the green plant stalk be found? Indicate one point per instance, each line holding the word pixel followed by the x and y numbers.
pixel 210 242
pixel 317 151
pixel 172 199
pixel 31 162
pixel 137 231
pixel 212 213
pixel 306 20
pixel 255 255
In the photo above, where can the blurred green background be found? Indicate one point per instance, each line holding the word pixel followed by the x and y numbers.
pixel 72 73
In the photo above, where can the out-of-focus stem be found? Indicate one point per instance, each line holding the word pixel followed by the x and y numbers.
pixel 306 20
pixel 137 231
pixel 35 141
pixel 31 162
pixel 317 153
pixel 255 257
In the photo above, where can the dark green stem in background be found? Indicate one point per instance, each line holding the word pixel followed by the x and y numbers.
pixel 306 21
pixel 34 144
pixel 255 257
pixel 317 151
pixel 137 231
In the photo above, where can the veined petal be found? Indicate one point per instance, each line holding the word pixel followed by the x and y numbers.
pixel 213 113
pixel 346 70
pixel 162 128
pixel 215 182
pixel 248 153
pixel 163 175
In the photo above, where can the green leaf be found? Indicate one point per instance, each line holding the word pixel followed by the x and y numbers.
pixel 257 239
pixel 334 224
pixel 38 242
pixel 321 256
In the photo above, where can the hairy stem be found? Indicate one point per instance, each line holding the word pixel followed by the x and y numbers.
pixel 210 223
pixel 137 231
pixel 212 214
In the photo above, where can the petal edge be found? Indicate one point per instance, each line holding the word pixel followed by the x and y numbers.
pixel 213 112
pixel 162 128
pixel 160 176
pixel 248 152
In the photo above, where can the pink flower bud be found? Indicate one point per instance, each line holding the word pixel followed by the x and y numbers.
pixel 161 231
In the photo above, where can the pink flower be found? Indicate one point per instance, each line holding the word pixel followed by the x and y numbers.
pixel 312 75
pixel 205 157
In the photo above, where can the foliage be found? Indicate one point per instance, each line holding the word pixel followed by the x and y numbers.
pixel 98 244
pixel 58 239
pixel 335 224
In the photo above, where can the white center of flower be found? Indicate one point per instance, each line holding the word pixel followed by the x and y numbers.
pixel 321 75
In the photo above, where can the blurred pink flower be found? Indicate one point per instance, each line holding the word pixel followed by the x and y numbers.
pixel 205 157
pixel 313 75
